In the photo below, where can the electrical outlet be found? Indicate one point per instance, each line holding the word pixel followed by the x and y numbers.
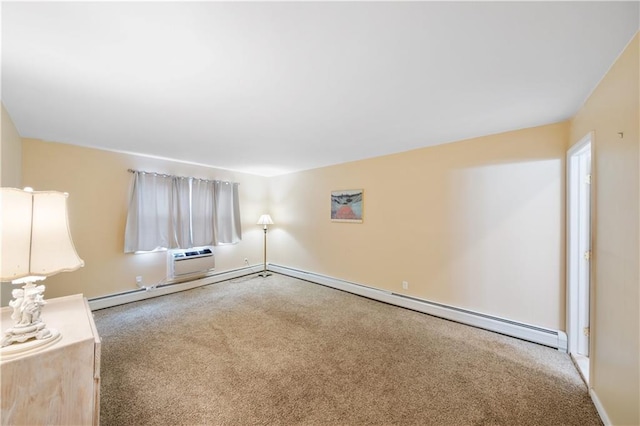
pixel 405 285
pixel 139 279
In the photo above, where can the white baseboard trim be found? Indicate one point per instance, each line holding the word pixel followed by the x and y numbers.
pixel 141 294
pixel 601 411
pixel 544 336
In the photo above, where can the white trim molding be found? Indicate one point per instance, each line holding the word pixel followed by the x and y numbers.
pixel 577 272
pixel 599 408
pixel 149 292
pixel 554 338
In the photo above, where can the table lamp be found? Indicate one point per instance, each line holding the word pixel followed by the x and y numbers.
pixel 35 244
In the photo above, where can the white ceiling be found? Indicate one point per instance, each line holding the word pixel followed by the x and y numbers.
pixel 270 88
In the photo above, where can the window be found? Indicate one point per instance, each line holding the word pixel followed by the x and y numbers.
pixel 179 212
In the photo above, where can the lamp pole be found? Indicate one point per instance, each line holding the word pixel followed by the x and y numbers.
pixel 265 220
pixel 264 261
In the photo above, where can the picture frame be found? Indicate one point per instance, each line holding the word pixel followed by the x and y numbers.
pixel 347 205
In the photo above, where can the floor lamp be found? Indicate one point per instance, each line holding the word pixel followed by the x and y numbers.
pixel 265 220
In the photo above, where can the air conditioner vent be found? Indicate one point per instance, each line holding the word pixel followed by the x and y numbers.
pixel 191 253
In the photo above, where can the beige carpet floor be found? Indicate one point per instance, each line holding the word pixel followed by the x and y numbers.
pixel 281 351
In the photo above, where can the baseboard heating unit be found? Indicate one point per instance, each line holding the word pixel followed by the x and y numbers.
pixel 162 289
pixel 553 338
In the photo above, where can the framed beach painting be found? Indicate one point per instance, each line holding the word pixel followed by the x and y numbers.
pixel 346 205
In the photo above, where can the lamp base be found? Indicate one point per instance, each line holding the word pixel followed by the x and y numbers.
pixel 22 333
pixel 43 337
pixel 27 303
pixel 264 274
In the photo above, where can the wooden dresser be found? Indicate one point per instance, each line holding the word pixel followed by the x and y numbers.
pixel 58 384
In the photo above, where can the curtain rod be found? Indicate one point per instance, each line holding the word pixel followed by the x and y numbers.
pixel 179 177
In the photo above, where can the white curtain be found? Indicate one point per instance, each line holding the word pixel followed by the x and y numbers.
pixel 181 212
pixel 175 212
pixel 226 221
pixel 149 220
pixel 202 212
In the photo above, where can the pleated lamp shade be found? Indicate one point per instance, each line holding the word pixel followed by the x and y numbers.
pixel 265 219
pixel 36 241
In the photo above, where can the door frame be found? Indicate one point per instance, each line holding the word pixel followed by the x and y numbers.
pixel 574 252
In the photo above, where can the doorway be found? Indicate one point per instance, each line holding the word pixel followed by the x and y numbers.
pixel 579 252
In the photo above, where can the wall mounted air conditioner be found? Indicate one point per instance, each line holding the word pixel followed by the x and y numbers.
pixel 189 261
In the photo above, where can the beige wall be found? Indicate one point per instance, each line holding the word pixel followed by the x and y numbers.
pixel 98 185
pixel 477 224
pixel 615 361
pixel 10 153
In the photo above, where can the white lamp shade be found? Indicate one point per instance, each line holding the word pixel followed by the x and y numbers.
pixel 265 219
pixel 34 230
